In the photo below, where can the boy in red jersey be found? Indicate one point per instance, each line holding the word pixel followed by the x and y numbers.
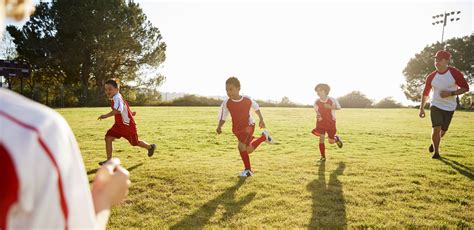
pixel 243 125
pixel 124 125
pixel 326 118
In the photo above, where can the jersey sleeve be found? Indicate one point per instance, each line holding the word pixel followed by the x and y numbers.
pixel 429 79
pixel 316 107
pixel 255 105
pixel 223 111
pixel 335 102
pixel 459 79
pixel 118 103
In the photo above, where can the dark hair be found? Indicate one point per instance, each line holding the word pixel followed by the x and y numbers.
pixel 324 87
pixel 112 82
pixel 233 81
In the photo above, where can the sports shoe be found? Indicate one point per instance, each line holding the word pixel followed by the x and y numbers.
pixel 246 173
pixel 338 141
pixel 103 162
pixel 436 156
pixel 431 149
pixel 269 139
pixel 151 151
pixel 323 159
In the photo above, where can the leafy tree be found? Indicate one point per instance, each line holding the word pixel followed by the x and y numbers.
pixel 388 102
pixel 81 44
pixel 355 99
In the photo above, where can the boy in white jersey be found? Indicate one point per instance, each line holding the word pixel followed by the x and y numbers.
pixel 446 82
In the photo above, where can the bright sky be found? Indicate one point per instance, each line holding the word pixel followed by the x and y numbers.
pixel 284 47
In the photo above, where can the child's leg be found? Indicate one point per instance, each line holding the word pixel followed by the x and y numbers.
pixel 255 143
pixel 144 145
pixel 108 146
pixel 322 147
pixel 244 155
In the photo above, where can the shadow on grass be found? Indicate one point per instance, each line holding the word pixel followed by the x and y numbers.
pixel 464 170
pixel 329 209
pixel 199 218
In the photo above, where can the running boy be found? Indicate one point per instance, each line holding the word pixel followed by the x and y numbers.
pixel 243 125
pixel 124 125
pixel 326 118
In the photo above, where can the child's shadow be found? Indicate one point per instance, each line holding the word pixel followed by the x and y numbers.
pixel 329 210
pixel 201 217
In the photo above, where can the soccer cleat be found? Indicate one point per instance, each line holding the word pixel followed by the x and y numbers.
pixel 338 141
pixel 323 159
pixel 103 162
pixel 246 173
pixel 151 151
pixel 269 139
pixel 431 149
pixel 436 156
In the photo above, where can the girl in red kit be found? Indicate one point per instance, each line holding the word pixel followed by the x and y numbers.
pixel 243 125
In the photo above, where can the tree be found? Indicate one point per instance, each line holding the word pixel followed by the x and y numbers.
pixel 422 64
pixel 355 99
pixel 87 42
pixel 388 102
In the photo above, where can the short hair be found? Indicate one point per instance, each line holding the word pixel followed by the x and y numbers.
pixel 233 81
pixel 113 82
pixel 323 86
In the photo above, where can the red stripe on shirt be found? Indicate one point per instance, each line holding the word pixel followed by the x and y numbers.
pixel 48 152
pixel 8 176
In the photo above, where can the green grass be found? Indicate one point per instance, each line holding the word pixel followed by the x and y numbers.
pixel 383 177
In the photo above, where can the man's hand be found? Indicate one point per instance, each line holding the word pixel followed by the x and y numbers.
pixel 219 130
pixel 445 94
pixel 422 113
pixel 110 186
pixel 101 117
pixel 261 124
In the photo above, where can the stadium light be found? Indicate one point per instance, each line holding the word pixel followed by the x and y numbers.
pixel 445 20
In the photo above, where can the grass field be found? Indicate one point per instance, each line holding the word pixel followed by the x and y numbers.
pixel 382 177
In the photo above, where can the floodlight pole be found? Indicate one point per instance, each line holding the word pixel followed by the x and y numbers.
pixel 444 20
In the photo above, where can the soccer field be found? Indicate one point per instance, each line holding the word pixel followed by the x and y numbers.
pixel 382 177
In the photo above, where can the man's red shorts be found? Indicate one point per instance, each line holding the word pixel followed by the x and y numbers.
pixel 128 133
pixel 245 135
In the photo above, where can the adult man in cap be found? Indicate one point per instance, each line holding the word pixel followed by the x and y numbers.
pixel 446 82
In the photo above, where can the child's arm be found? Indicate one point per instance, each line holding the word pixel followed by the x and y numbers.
pixel 109 114
pixel 261 124
pixel 219 126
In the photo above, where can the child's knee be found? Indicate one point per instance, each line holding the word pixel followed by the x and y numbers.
pixel 331 141
pixel 109 138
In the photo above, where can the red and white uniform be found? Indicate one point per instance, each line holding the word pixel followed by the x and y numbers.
pixel 42 175
pixel 243 124
pixel 328 122
pixel 124 125
pixel 450 80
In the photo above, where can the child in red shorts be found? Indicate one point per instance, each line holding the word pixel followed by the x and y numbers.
pixel 243 124
pixel 124 125
pixel 325 108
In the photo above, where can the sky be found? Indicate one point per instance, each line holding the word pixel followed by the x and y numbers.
pixel 284 48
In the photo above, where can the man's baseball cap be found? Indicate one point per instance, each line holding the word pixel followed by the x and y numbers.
pixel 442 54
